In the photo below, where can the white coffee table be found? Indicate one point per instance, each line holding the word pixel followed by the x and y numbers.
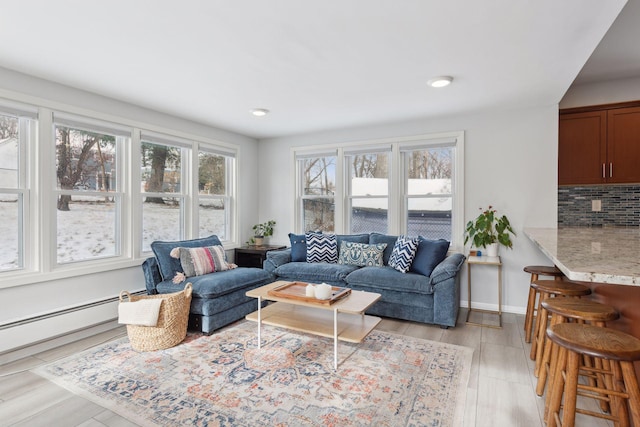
pixel 343 320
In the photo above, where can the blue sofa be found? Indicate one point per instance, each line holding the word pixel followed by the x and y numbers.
pixel 218 299
pixel 432 298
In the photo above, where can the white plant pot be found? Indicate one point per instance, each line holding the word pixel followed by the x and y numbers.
pixel 492 250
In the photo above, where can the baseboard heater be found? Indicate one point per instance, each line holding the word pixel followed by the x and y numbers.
pixel 63 312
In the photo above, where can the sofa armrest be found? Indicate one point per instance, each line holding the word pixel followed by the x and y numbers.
pixel 275 259
pixel 152 275
pixel 445 284
pixel 448 268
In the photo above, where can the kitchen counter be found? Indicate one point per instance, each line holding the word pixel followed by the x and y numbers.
pixel 603 255
pixel 605 259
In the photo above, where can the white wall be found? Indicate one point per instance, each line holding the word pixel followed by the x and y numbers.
pixel 511 163
pixel 25 301
pixel 606 92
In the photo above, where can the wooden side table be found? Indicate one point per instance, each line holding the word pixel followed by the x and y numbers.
pixel 253 256
pixel 485 260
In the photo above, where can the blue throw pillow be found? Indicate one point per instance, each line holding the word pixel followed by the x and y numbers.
pixel 403 252
pixel 429 254
pixel 298 247
pixel 322 248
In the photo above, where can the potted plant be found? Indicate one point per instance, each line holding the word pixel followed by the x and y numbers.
pixel 260 231
pixel 488 230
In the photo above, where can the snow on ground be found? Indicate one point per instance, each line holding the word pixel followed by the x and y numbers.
pixel 87 230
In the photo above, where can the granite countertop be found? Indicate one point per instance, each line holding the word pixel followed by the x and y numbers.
pixel 605 255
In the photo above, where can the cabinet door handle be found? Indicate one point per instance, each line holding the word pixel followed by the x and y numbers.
pixel 610 170
pixel 603 171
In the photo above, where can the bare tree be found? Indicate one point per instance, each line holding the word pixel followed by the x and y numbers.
pixel 73 149
pixel 8 127
pixel 159 157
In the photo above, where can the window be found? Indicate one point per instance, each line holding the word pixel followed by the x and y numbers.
pixel 428 190
pixel 317 187
pixel 410 185
pixel 17 133
pixel 368 191
pixel 215 172
pixel 88 192
pixel 163 192
pixel 98 192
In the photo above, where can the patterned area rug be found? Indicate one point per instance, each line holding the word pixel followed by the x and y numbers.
pixel 224 380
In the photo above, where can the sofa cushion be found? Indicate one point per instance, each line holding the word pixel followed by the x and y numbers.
pixel 170 266
pixel 321 248
pixel 403 253
pixel 384 238
pixel 429 254
pixel 361 254
pixel 389 278
pixel 314 273
pixel 199 261
pixel 221 283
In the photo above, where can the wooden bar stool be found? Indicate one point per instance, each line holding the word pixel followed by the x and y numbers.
pixel 536 271
pixel 548 289
pixel 571 309
pixel 617 351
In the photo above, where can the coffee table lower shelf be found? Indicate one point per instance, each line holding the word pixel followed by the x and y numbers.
pixel 326 323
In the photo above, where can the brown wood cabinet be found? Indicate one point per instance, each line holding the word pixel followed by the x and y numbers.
pixel 598 145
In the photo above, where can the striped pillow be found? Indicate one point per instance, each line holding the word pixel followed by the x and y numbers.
pixel 199 261
pixel 322 248
pixel 403 252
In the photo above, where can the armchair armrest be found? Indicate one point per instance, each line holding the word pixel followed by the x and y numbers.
pixel 275 259
pixel 152 275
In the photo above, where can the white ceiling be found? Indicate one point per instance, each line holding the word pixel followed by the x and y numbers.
pixel 316 65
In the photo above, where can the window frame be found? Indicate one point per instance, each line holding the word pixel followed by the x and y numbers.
pixel 122 139
pixel 229 193
pixel 349 197
pixel 299 188
pixel 397 223
pixel 27 117
pixel 40 226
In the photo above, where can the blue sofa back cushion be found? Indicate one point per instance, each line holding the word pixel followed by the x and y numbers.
pixel 430 253
pixel 355 238
pixel 384 238
pixel 389 278
pixel 215 284
pixel 168 265
pixel 317 272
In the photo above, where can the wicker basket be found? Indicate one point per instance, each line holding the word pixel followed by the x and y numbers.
pixel 171 328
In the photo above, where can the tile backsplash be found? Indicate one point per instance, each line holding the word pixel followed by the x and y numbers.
pixel 620 206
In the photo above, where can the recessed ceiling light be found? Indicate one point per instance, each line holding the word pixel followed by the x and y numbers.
pixel 441 81
pixel 259 112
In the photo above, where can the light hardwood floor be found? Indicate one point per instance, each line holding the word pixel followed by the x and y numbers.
pixel 501 389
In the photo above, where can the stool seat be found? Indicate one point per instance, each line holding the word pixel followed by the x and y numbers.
pixel 548 289
pixel 616 353
pixel 561 287
pixel 595 341
pixel 543 270
pixel 582 309
pixel 563 310
pixel 536 271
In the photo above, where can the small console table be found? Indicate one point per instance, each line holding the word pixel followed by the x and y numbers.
pixel 253 256
pixel 485 260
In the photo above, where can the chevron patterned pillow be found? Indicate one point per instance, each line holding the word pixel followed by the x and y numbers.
pixel 322 248
pixel 403 252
